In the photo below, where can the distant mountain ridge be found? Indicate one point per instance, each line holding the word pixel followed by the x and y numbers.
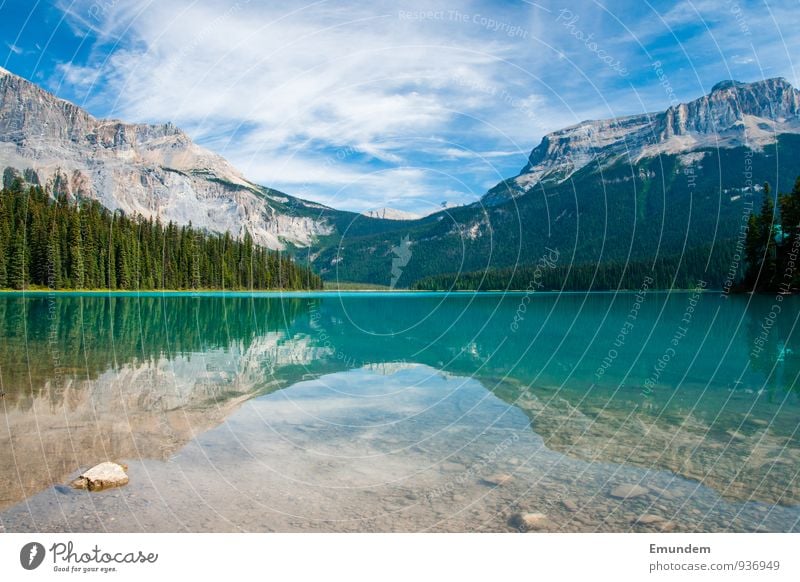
pixel 152 170
pixel 391 214
pixel 636 188
pixel 733 114
pixel 632 188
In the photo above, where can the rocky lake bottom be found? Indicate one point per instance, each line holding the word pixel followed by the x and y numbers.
pixel 410 450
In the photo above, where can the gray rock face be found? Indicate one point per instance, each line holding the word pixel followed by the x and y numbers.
pixel 732 114
pixel 152 170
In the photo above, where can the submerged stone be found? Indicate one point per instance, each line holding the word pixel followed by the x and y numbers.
pixel 498 479
pixel 530 522
pixel 569 505
pixel 628 491
pixel 649 518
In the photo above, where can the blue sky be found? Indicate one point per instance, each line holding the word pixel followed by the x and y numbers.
pixel 407 104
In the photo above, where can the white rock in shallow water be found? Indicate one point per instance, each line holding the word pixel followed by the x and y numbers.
pixel 102 476
pixel 629 490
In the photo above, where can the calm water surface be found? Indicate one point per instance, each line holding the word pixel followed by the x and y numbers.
pixel 401 412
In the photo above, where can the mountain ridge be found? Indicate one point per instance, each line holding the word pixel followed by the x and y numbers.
pixel 588 188
pixel 732 114
pixel 391 214
pixel 151 170
pixel 607 192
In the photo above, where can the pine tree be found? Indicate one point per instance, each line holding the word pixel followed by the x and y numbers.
pixel 5 239
pixel 76 264
pixel 767 232
pixel 18 267
pixel 753 250
pixel 53 257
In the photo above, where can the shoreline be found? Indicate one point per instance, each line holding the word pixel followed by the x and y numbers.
pixel 302 292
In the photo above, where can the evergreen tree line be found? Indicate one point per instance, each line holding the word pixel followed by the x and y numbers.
pixel 672 272
pixel 772 243
pixel 771 257
pixel 62 244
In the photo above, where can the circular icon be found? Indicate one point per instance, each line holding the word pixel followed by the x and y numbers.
pixel 31 555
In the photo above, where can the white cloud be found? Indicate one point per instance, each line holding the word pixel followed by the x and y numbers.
pixel 79 78
pixel 742 60
pixel 303 80
pixel 281 88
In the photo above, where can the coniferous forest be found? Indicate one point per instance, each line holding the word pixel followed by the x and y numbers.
pixel 68 244
pixel 772 245
pixel 770 262
pixel 672 272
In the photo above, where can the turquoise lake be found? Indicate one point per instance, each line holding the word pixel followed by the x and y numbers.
pixel 401 411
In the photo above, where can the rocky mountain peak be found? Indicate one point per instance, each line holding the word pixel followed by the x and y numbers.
pixel 733 114
pixel 729 104
pixel 729 84
pixel 150 170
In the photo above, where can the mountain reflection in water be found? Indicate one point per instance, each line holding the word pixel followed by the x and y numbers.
pixel 398 400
